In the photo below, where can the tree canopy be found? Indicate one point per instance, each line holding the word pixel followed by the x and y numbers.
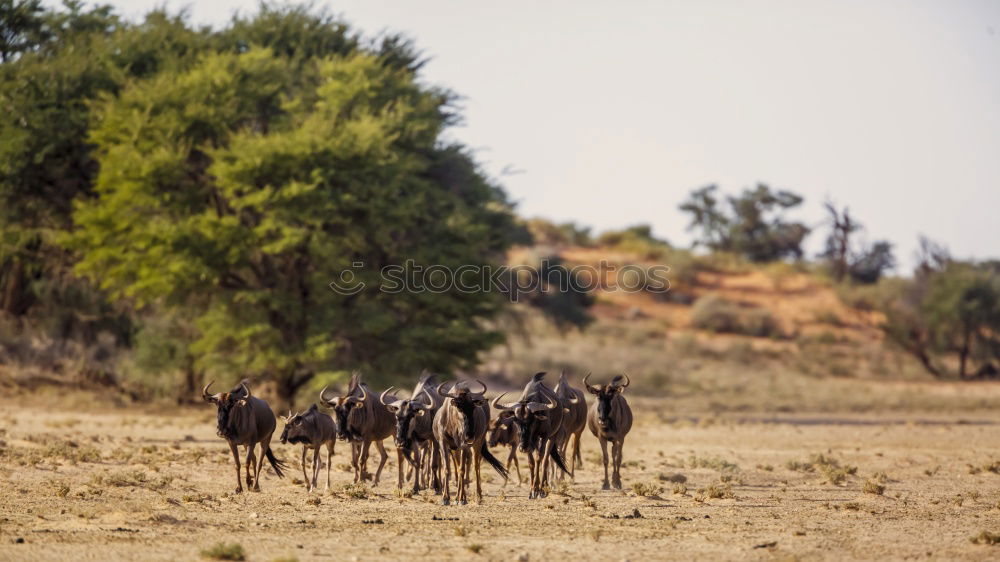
pixel 751 224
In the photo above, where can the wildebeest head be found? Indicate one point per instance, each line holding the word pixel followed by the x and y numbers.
pixel 502 430
pixel 605 394
pixel 406 412
pixel 225 402
pixel 529 417
pixel 466 402
pixel 342 406
pixel 299 428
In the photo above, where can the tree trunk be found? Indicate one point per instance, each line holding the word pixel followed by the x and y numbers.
pixel 963 353
pixel 288 386
pixel 14 300
pixel 189 391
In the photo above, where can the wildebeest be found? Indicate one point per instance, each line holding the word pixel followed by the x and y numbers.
pixel 610 419
pixel 362 420
pixel 574 421
pixel 415 433
pixel 538 415
pixel 503 433
pixel 460 430
pixel 312 429
pixel 244 419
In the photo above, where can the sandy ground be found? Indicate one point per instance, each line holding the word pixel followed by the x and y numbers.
pixel 106 486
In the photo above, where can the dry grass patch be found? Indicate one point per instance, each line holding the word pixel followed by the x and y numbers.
pixel 871 486
pixel 225 551
pixel 985 537
pixel 829 467
pixel 647 490
pixel 714 491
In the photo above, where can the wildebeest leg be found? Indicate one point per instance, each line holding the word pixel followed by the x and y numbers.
pixel 574 454
pixel 399 467
pixel 436 467
pixel 316 465
pixel 463 486
pixel 363 460
pixel 236 459
pixel 531 474
pixel 513 458
pixel 604 453
pixel 576 448
pixel 355 456
pixel 416 469
pixel 329 461
pixel 546 466
pixel 251 463
pixel 265 444
pixel 305 477
pixel 385 457
pixel 477 464
pixel 447 474
pixel 616 455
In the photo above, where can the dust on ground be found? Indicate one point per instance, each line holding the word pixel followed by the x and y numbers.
pixel 115 485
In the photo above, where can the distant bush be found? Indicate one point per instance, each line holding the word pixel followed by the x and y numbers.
pixel 719 315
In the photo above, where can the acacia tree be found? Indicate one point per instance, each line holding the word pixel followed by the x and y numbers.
pixel 241 187
pixel 949 309
pixel 864 263
pixel 751 224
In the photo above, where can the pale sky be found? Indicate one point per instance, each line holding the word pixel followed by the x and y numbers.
pixel 613 111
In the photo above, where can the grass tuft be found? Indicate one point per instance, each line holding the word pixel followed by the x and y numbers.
pixel 646 490
pixel 871 486
pixel 985 537
pixel 225 551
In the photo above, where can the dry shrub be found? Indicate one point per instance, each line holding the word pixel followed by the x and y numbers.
pixel 646 490
pixel 872 487
pixel 985 537
pixel 675 477
pixel 715 491
pixel 829 467
pixel 225 551
pixel 716 314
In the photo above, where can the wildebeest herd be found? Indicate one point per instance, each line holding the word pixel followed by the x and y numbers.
pixel 443 432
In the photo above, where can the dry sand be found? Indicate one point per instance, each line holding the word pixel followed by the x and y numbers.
pixel 161 490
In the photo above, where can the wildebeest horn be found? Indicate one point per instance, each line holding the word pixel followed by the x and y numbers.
pixel 204 391
pixel 538 406
pixel 246 389
pixel 322 395
pixel 586 384
pixel 483 391
pixel 495 404
pixel 446 394
pixel 552 405
pixel 618 381
pixel 381 397
pixel 364 393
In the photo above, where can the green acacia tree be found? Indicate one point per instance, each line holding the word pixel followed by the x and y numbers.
pixel 241 187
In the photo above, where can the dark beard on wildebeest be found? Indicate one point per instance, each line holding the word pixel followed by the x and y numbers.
pixel 225 429
pixel 604 410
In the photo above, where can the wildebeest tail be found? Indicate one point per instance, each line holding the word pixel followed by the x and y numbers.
pixel 494 462
pixel 557 458
pixel 275 463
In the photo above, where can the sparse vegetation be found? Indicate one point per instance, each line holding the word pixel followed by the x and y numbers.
pixel 985 537
pixel 224 551
pixel 716 314
pixel 358 491
pixel 872 486
pixel 646 490
pixel 830 468
pixel 714 491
